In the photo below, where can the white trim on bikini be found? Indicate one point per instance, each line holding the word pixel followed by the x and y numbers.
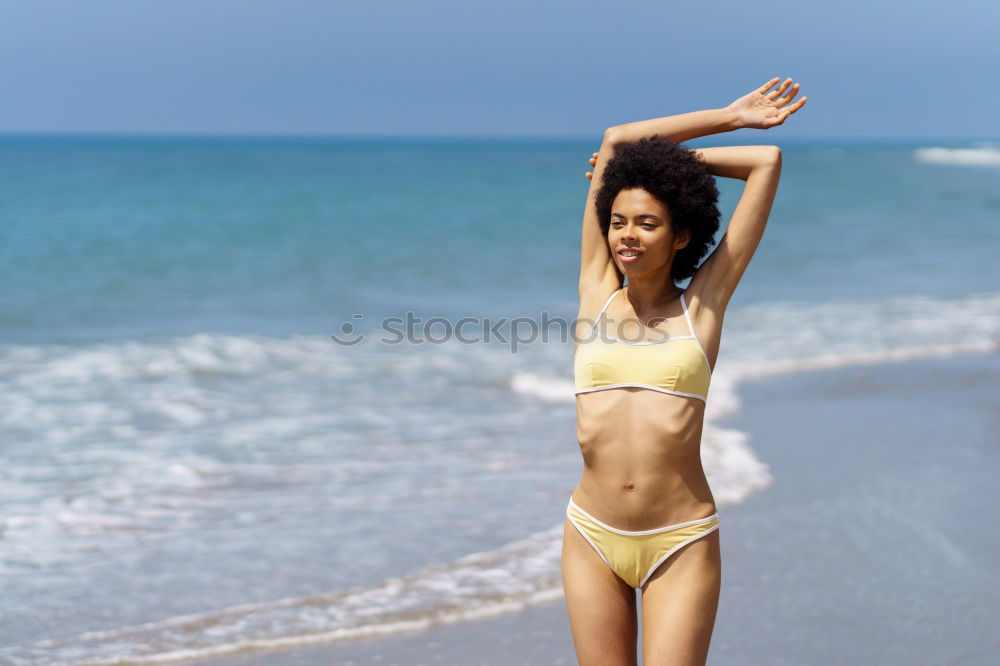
pixel 652 569
pixel 586 536
pixel 668 528
pixel 691 328
pixel 693 336
pixel 655 565
pixel 650 342
pixel 687 318
pixel 645 386
pixel 596 322
pixel 606 304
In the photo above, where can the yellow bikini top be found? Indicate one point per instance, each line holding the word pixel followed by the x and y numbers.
pixel 677 365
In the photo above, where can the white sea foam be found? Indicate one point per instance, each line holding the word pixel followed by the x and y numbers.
pixel 984 154
pixel 485 584
pixel 475 586
pixel 141 483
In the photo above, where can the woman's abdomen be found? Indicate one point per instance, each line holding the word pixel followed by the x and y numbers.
pixel 642 457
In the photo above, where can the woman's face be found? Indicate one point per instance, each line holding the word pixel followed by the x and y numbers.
pixel 641 238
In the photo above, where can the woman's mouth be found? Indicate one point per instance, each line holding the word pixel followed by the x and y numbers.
pixel 629 255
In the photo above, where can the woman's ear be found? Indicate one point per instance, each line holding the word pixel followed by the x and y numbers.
pixel 682 240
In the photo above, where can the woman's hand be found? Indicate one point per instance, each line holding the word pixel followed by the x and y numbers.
pixel 761 109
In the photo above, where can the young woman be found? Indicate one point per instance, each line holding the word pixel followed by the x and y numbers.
pixel 643 516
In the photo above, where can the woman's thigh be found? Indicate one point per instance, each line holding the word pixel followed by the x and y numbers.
pixel 679 605
pixel 602 607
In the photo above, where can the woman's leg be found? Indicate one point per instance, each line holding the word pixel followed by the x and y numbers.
pixel 602 607
pixel 679 604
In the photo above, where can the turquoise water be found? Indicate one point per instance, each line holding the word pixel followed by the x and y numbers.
pixel 180 435
pixel 122 238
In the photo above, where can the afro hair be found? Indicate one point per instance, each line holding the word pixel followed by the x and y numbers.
pixel 675 176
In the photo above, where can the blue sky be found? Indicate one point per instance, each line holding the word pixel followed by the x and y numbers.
pixel 465 68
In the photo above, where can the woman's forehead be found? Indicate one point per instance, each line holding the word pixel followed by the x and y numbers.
pixel 637 202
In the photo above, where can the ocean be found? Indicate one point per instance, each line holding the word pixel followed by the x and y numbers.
pixel 212 440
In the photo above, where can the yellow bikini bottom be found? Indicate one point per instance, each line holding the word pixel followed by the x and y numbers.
pixel 635 556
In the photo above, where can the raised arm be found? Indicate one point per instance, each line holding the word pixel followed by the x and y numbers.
pixel 680 127
pixel 760 166
pixel 599 276
pixel 758 109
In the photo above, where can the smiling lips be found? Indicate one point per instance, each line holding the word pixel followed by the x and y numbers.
pixel 629 255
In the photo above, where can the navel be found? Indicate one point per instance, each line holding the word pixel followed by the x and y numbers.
pixel 629 485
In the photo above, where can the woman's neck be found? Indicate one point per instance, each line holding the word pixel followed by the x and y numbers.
pixel 646 294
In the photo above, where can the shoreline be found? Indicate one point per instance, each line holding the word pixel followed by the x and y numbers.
pixel 868 547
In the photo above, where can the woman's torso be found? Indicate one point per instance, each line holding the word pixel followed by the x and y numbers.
pixel 640 412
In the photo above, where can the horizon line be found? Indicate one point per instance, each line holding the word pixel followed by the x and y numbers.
pixel 270 135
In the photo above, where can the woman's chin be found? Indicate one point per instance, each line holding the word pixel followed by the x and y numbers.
pixel 627 269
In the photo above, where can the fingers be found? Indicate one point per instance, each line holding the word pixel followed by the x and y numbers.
pixel 787 111
pixel 792 92
pixel 783 114
pixel 764 88
pixel 795 107
pixel 782 88
pixel 593 162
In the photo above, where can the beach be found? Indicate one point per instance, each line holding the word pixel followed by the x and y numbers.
pixel 289 304
pixel 873 546
pixel 198 462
